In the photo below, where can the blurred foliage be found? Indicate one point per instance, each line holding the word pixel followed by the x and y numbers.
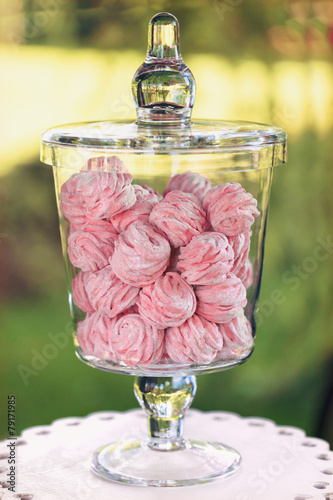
pixel 236 28
pixel 30 241
pixel 254 60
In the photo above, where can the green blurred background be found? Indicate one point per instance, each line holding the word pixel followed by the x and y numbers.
pixel 64 61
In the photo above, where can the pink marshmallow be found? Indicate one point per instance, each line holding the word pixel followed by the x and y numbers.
pixel 102 223
pixel 230 209
pixel 77 227
pixel 241 246
pixel 206 259
pixel 180 217
pixel 93 335
pixel 80 297
pixel 237 337
pixel 141 255
pixel 91 247
pixel 223 301
pixel 189 182
pixel 136 342
pixel 108 294
pixel 153 192
pixel 195 341
pixel 96 195
pixel 170 301
pixel 173 263
pixel 242 267
pixel 106 164
pixel 140 211
pixel 132 310
pixel 245 274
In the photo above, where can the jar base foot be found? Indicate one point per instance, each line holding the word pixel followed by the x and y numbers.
pixel 135 462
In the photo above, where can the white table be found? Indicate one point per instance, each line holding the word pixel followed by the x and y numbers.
pixel 279 463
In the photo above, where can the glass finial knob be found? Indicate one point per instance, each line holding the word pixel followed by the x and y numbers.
pixel 163 37
pixel 163 87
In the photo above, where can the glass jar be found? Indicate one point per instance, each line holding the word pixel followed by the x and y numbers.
pixel 163 225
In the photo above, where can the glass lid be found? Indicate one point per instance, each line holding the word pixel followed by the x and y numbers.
pixel 163 90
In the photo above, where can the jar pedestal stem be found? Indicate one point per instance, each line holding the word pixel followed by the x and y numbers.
pixel 165 400
pixel 184 462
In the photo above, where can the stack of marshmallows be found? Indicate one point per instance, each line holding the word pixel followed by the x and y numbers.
pixel 162 279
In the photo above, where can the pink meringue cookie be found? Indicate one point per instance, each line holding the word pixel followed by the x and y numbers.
pixel 91 247
pixel 102 223
pixel 237 337
pixel 180 217
pixel 223 301
pixel 108 294
pixel 140 211
pixel 230 209
pixel 141 254
pixel 79 292
pixel 96 195
pixel 170 301
pixel 136 342
pixel 245 274
pixel 189 182
pixel 206 259
pixel 153 192
pixel 132 310
pixel 173 263
pixel 195 341
pixel 93 335
pixel 241 246
pixel 76 227
pixel 106 164
pixel 242 267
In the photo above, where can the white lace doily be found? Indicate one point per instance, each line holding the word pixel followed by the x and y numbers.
pixel 279 463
